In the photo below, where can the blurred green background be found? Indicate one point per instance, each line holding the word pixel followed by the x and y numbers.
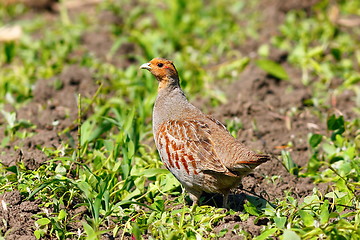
pixel 104 180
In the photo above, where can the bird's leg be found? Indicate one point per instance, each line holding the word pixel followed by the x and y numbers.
pixel 194 196
pixel 225 200
pixel 195 200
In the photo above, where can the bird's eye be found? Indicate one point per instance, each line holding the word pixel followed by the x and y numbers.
pixel 160 65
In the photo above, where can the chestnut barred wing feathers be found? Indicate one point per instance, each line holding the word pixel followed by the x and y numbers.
pixel 187 145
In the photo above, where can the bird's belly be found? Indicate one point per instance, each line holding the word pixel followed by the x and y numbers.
pixel 200 181
pixel 189 179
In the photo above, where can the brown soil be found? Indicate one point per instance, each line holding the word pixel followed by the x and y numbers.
pixel 256 98
pixel 51 110
pixel 16 215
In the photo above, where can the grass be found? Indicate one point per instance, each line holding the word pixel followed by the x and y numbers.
pixel 112 171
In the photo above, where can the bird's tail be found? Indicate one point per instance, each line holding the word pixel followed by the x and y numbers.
pixel 261 158
pixel 255 160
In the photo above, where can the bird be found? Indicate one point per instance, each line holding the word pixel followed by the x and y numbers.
pixel 195 147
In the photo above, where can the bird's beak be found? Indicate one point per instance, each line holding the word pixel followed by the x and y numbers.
pixel 145 66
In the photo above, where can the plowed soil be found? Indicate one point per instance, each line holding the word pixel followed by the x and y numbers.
pixel 256 98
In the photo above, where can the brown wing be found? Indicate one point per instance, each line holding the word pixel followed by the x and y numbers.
pixel 188 144
pixel 238 156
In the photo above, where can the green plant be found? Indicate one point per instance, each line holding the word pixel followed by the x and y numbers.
pixel 109 180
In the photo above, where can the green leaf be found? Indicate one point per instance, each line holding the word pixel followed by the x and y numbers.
pixel 290 235
pixel 109 145
pixel 170 183
pixel 267 233
pixel 334 123
pixel 97 207
pixel 345 168
pixel 132 194
pixel 62 214
pixel 307 218
pixel 314 234
pixel 336 52
pixel 60 169
pixel 12 169
pixel 335 194
pixel 90 232
pixel 131 148
pixel 39 233
pixel 154 172
pixel 9 51
pixel 43 221
pixel 328 148
pixel 86 130
pixel 5 141
pixel 136 231
pixel 313 164
pixel 85 188
pixel 251 209
pixel 272 68
pixel 222 232
pixel 352 80
pixel 280 221
pixel 104 126
pixel 324 212
pixel 311 199
pixel 10 117
pixel 315 140
pixel 289 163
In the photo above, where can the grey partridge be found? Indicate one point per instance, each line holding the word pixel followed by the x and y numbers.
pixel 196 148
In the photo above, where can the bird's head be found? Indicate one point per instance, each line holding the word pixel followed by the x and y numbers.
pixel 164 71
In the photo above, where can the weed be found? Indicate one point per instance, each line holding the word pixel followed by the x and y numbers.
pixel 109 181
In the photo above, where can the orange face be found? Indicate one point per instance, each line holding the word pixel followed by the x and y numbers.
pixel 161 68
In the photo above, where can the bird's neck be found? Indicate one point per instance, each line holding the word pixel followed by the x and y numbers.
pixel 170 95
pixel 168 83
pixel 171 104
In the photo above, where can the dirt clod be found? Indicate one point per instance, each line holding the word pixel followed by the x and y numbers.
pixel 16 215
